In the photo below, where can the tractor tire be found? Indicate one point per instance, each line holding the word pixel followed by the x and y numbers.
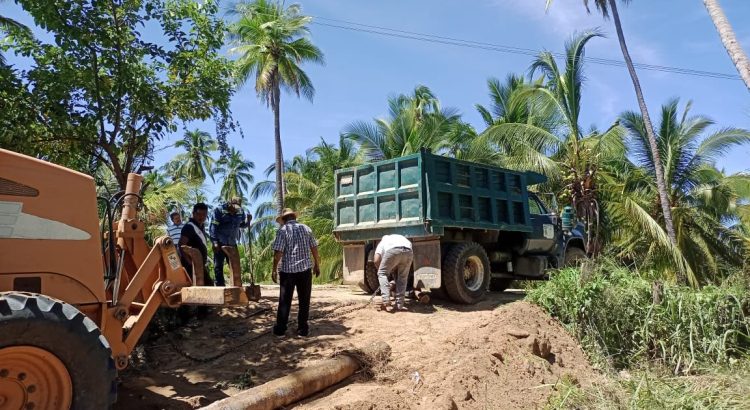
pixel 52 356
pixel 466 272
pixel 500 284
pixel 574 257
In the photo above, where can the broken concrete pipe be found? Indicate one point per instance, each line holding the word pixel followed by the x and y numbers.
pixel 306 382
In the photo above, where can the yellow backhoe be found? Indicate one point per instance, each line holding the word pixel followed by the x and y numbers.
pixel 77 294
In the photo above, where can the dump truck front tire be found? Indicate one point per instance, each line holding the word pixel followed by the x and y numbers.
pixel 466 272
pixel 41 336
pixel 574 256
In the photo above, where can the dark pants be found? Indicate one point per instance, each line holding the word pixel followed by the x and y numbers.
pixel 219 258
pixel 288 281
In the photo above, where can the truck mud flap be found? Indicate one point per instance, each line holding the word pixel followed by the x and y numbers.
pixel 427 264
pixel 354 264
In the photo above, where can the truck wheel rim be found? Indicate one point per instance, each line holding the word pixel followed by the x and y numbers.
pixel 473 273
pixel 33 378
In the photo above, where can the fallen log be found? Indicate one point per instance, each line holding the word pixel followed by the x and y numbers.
pixel 304 383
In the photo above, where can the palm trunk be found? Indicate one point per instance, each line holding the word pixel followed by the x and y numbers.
pixel 734 49
pixel 659 169
pixel 276 105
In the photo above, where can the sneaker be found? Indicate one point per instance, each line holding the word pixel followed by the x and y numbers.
pixel 401 308
pixel 303 334
pixel 278 335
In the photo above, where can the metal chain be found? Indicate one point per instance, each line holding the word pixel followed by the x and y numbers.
pixel 335 313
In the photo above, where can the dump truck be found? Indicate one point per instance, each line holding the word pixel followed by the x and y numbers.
pixel 78 290
pixel 473 227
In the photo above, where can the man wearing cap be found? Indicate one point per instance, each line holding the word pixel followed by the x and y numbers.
pixel 293 246
pixel 225 229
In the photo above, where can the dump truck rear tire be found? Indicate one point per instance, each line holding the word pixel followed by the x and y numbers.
pixel 574 257
pixel 52 346
pixel 466 272
pixel 500 284
pixel 371 278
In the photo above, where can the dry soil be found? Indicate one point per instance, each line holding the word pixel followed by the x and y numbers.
pixel 500 353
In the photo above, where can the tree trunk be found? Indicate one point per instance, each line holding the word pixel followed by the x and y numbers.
pixel 734 49
pixel 659 169
pixel 276 105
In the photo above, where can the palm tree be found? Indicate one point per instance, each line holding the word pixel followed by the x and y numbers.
pixel 604 7
pixel 237 174
pixel 197 162
pixel 734 49
pixel 310 190
pixel 9 25
pixel 272 43
pixel 704 199
pixel 414 122
pixel 538 129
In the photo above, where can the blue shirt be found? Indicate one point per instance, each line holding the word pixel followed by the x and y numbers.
pixel 295 240
pixel 225 226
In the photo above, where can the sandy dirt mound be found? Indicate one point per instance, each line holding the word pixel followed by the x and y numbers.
pixel 500 353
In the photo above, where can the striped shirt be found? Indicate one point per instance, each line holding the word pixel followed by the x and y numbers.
pixel 295 241
pixel 174 232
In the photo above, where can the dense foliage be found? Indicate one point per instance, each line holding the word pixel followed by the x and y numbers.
pixel 104 92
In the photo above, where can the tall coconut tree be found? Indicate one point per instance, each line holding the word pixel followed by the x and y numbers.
pixel 605 7
pixel 548 137
pixel 272 43
pixel 705 200
pixel 197 162
pixel 729 39
pixel 236 172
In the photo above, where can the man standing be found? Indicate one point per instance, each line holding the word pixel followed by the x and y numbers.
pixel 194 235
pixel 175 229
pixel 393 252
pixel 291 259
pixel 225 229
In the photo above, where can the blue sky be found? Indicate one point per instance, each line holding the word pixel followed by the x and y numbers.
pixel 363 69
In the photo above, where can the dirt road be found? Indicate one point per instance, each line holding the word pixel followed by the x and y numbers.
pixel 499 353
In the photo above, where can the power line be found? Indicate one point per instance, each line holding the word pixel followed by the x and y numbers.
pixel 431 38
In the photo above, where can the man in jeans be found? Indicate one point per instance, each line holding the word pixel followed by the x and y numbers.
pixel 225 229
pixel 393 252
pixel 292 248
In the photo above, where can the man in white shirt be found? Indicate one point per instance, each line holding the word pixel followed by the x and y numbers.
pixel 394 252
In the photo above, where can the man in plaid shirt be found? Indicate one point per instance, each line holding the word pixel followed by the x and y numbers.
pixel 291 259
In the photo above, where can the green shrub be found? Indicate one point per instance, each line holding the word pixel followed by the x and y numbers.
pixel 613 314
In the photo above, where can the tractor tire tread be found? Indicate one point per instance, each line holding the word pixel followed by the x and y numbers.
pixel 44 310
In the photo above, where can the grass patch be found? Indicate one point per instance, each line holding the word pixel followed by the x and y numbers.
pixel 611 311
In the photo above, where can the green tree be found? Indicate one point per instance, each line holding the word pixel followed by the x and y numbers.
pixel 605 7
pixel 121 92
pixel 414 122
pixel 272 44
pixel 548 138
pixel 11 27
pixel 197 162
pixel 310 185
pixel 237 174
pixel 705 200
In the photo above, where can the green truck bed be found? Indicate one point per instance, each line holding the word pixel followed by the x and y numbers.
pixel 421 195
